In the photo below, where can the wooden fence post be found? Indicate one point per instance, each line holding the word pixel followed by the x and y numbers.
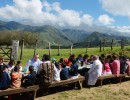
pixel 58 49
pixel 35 47
pixel 103 44
pixel 122 44
pixel 100 50
pixel 15 46
pixel 71 49
pixel 112 45
pixel 87 47
pixel 49 48
pixel 22 49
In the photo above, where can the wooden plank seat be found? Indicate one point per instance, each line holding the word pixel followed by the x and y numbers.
pixel 10 91
pixel 78 80
pixel 101 78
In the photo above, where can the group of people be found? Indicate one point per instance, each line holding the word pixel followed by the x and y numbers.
pixel 47 70
pixel 11 75
pixel 106 65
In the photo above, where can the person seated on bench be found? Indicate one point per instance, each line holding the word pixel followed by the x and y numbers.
pixel 2 63
pixel 61 60
pixel 128 68
pixel 30 79
pixel 79 60
pixel 90 60
pixel 85 59
pixel 94 72
pixel 16 77
pixel 115 65
pixel 46 73
pixel 70 60
pixel 35 61
pixel 11 66
pixel 4 78
pixel 73 69
pixel 123 65
pixel 64 74
pixel 106 68
pixel 19 63
pixel 57 70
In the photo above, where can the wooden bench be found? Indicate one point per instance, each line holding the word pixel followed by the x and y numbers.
pixel 78 80
pixel 101 78
pixel 10 91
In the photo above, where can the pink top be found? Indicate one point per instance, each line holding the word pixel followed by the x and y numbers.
pixel 116 67
pixel 107 67
pixel 128 69
pixel 108 70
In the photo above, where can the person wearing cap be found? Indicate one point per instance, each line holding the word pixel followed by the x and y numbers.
pixel 95 71
pixel 35 62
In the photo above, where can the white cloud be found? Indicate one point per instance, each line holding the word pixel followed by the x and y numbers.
pixel 37 12
pixel 117 7
pixel 87 19
pixel 105 20
pixel 122 29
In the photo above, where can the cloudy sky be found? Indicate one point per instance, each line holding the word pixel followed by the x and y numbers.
pixel 114 14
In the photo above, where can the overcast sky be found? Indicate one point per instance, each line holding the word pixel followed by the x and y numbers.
pixel 114 14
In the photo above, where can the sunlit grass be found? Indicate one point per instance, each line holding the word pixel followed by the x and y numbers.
pixel 64 53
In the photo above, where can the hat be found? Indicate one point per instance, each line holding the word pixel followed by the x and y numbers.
pixel 53 60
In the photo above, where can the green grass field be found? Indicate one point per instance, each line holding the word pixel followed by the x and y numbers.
pixel 64 53
pixel 107 92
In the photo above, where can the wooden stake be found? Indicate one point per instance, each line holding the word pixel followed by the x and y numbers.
pixel 22 49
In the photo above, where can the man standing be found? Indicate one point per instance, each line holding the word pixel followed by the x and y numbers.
pixel 95 71
pixel 35 62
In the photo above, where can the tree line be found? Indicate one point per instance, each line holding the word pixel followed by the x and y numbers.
pixel 6 37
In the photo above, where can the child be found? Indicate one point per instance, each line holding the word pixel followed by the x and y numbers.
pixel 11 66
pixel 56 70
pixel 64 74
pixel 74 69
pixel 31 77
pixel 20 65
pixel 16 77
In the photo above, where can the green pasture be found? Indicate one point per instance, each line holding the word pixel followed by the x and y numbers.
pixel 64 53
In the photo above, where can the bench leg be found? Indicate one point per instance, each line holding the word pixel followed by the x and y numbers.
pixel 80 84
pixel 101 82
pixel 34 95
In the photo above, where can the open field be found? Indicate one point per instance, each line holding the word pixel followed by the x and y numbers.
pixel 107 92
pixel 64 53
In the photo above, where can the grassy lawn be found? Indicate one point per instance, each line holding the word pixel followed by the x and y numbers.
pixel 106 92
pixel 64 53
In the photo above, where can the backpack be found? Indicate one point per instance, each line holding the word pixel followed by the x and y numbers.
pixel 46 73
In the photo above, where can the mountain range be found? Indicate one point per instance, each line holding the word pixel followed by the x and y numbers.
pixel 65 37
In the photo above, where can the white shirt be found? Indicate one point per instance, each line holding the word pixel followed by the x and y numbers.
pixel 35 64
pixel 94 72
pixel 56 74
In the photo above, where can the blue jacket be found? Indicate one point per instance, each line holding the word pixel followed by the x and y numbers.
pixel 64 74
pixel 4 81
pixel 74 70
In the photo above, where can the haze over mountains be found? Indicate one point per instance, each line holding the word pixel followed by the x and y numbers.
pixel 66 36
